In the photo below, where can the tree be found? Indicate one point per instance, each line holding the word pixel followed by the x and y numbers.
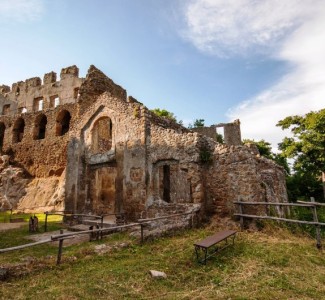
pixel 307 146
pixel 198 123
pixel 164 113
pixel 265 149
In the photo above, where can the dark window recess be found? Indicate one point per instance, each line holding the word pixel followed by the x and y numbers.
pixel 40 128
pixel 2 134
pixel 63 123
pixel 6 109
pixel 166 183
pixel 18 130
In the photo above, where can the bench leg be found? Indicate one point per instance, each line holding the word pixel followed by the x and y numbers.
pixel 205 254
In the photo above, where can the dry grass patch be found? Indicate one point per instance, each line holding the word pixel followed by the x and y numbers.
pixel 273 264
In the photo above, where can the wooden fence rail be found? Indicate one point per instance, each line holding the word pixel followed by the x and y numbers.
pixel 98 231
pixel 312 205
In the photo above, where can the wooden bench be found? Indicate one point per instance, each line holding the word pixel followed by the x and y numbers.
pixel 212 241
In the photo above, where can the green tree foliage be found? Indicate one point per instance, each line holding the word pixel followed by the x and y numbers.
pixel 198 123
pixel 219 138
pixel 307 148
pixel 265 149
pixel 164 113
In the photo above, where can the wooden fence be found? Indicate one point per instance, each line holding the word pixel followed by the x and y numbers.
pixel 312 205
pixel 98 232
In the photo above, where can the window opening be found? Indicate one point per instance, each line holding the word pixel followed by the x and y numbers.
pixel 54 101
pixel 18 130
pixel 63 123
pixel 22 110
pixel 40 127
pixel 38 104
pixel 6 109
pixel 2 134
pixel 166 183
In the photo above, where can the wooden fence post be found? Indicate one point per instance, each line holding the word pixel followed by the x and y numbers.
pixel 241 217
pixel 141 233
pixel 58 261
pixel 315 217
pixel 45 226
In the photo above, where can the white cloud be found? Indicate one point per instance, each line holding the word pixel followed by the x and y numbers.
pixel 21 10
pixel 290 30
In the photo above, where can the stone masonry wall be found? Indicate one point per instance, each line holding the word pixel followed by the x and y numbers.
pixel 238 174
pixel 25 95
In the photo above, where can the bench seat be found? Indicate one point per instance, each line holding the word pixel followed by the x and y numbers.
pixel 213 240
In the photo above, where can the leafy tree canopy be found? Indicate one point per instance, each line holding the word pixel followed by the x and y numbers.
pixel 307 146
pixel 265 149
pixel 198 123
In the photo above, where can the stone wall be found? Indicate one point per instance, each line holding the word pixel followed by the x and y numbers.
pixel 236 174
pixel 33 96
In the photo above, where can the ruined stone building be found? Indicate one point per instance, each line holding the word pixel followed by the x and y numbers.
pixel 82 145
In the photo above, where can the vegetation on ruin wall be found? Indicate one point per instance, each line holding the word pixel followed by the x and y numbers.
pixel 272 264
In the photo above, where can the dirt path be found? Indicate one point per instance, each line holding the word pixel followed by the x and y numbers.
pixel 8 226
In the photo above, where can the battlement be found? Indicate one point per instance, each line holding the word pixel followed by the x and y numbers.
pixel 33 94
pixel 49 78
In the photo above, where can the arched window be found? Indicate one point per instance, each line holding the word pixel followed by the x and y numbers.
pixel 63 123
pixel 2 133
pixel 18 130
pixel 101 135
pixel 40 127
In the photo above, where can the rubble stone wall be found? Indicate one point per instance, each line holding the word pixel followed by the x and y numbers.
pixel 236 174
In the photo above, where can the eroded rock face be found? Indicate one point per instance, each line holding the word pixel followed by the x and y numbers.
pixel 13 182
pixel 20 192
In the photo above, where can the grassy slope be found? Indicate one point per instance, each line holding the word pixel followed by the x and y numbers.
pixel 272 264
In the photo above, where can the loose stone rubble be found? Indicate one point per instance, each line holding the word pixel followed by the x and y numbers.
pixel 81 145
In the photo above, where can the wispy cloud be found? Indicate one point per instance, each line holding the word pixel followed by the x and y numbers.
pixel 21 10
pixel 291 31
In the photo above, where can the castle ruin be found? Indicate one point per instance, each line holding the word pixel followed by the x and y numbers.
pixel 82 145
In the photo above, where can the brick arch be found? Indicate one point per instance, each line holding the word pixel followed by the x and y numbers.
pixel 18 130
pixel 63 120
pixel 40 127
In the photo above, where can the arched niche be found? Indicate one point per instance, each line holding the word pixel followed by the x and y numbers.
pixel 101 135
pixel 63 122
pixel 40 127
pixel 18 130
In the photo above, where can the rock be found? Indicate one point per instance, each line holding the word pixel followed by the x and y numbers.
pixel 4 273
pixel 157 274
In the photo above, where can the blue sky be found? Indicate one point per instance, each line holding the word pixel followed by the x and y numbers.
pixel 219 60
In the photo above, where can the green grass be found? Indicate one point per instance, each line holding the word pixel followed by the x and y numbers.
pixel 272 264
pixel 6 216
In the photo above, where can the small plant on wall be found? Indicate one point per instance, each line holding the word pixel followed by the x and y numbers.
pixel 206 156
